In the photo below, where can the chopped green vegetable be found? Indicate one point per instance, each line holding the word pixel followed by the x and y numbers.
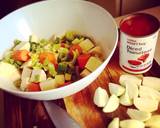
pixel 77 40
pixel 62 67
pixel 51 69
pixel 52 62
pixel 70 35
pixel 16 42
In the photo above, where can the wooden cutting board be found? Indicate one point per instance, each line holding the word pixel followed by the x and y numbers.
pixel 81 107
pixel 24 113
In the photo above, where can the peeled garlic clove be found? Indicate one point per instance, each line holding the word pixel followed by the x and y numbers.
pixel 114 123
pixel 100 97
pixel 133 79
pixel 112 104
pixel 152 82
pixel 138 115
pixel 132 89
pixel 125 99
pixel 154 122
pixel 146 104
pixel 116 89
pixel 147 92
pixel 131 123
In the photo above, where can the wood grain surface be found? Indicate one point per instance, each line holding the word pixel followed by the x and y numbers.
pixel 23 113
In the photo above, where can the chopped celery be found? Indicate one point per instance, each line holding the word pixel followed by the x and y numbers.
pixel 43 42
pixel 55 47
pixel 57 40
pixel 51 69
pixel 70 35
pixel 63 54
pixel 33 47
pixel 77 40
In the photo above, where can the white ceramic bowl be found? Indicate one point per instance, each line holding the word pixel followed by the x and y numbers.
pixel 55 17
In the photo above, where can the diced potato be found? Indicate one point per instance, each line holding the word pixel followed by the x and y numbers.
pixel 93 63
pixel 33 38
pixel 27 64
pixel 38 75
pixel 22 46
pixel 96 51
pixel 26 73
pixel 24 83
pixel 86 45
pixel 84 73
pixel 48 84
pixel 9 71
pixel 67 76
pixel 60 80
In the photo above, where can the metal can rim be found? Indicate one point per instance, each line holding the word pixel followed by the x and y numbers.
pixel 140 14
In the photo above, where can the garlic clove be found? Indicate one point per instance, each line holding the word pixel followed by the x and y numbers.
pixel 116 89
pixel 114 123
pixel 146 104
pixel 153 122
pixel 125 100
pixel 129 78
pixel 138 115
pixel 100 97
pixel 112 104
pixel 131 123
pixel 152 82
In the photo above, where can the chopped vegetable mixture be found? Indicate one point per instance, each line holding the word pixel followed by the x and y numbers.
pixel 45 64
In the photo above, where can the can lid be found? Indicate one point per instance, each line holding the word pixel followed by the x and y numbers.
pixel 139 25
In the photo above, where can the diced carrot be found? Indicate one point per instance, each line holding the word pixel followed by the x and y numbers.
pixel 33 87
pixel 74 48
pixel 21 55
pixel 47 55
pixel 82 60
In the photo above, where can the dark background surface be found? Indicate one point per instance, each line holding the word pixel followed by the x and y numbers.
pixel 7 6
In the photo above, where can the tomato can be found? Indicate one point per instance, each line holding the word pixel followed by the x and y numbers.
pixel 138 37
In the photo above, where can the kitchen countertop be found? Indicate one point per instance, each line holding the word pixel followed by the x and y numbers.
pixel 20 112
